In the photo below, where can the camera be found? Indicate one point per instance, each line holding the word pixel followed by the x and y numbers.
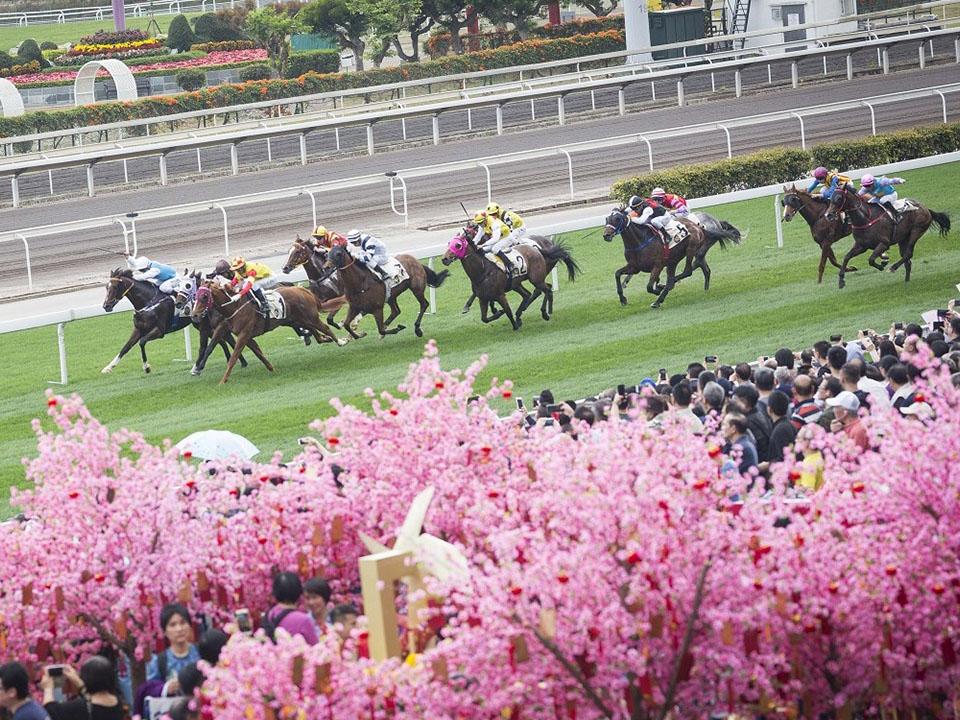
pixel 663 373
pixel 898 326
pixel 710 358
pixel 55 671
pixel 242 616
pixel 836 338
pixel 621 389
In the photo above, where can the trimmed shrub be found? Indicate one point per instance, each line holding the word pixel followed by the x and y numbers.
pixel 226 46
pixel 258 71
pixel 180 37
pixel 209 28
pixel 754 170
pixel 438 44
pixel 29 51
pixel 110 37
pixel 191 79
pixel 48 45
pixel 890 148
pixel 317 61
pixel 6 62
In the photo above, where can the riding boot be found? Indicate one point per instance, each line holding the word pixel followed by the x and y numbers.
pixel 261 300
pixel 507 265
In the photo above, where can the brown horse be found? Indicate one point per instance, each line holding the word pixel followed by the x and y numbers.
pixel 874 229
pixel 325 285
pixel 645 251
pixel 240 314
pixel 813 209
pixel 367 294
pixel 489 282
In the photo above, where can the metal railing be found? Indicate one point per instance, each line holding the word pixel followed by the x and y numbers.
pixel 100 12
pixel 397 181
pixel 303 125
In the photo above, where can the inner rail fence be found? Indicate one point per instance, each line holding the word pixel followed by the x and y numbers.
pixel 301 126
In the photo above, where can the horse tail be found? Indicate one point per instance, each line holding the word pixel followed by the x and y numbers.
pixel 560 253
pixel 942 221
pixel 735 236
pixel 435 279
pixel 726 233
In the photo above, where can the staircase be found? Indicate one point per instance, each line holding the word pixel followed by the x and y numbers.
pixel 741 16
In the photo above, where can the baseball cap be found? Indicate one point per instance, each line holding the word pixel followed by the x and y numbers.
pixel 920 409
pixel 846 400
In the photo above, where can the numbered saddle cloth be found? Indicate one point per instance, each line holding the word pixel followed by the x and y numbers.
pixel 677 232
pixel 395 271
pixel 905 205
pixel 516 259
pixel 276 308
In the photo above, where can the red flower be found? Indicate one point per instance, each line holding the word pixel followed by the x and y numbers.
pixel 493 494
pixel 515 591
pixel 938 589
pixel 633 558
pixel 51 402
pixel 74 495
pixel 563 578
pixel 891 570
pixel 333 441
pixel 393 411
pixel 439 385
pixel 262 540
pixel 858 487
pixel 187 454
pixel 834 588
pixel 507 394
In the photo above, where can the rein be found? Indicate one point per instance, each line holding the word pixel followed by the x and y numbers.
pixel 859 208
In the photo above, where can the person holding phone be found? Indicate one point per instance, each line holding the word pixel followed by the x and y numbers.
pixel 98 697
pixel 15 694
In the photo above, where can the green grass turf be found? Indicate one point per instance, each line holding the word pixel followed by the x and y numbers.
pixel 761 298
pixel 72 31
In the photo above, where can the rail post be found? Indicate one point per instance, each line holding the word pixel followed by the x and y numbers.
pixel 226 230
pixel 313 204
pixel 803 132
pixel 26 251
pixel 433 292
pixel 62 351
pixel 776 213
pixel 369 139
pixel 569 169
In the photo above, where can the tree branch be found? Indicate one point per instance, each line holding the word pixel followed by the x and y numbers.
pixel 570 668
pixel 687 640
pixel 106 634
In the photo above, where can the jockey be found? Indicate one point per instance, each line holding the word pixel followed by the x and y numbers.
pixel 326 238
pixel 255 277
pixel 648 212
pixel 503 229
pixel 370 251
pixel 880 191
pixel 162 276
pixel 831 181
pixel 674 203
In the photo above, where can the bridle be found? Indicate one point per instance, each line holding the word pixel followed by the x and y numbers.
pixel 119 279
pixel 619 229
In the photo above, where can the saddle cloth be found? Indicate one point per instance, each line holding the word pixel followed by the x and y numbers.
pixel 904 205
pixel 395 271
pixel 276 308
pixel 681 233
pixel 519 262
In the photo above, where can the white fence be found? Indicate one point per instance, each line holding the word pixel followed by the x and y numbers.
pixel 589 219
pixel 104 12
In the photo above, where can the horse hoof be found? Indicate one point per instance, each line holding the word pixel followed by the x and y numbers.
pixel 465 310
pixel 545 316
pixel 343 341
pixel 360 335
pixel 195 372
pixel 107 370
pixel 655 305
pixel 623 301
pixel 401 327
pixel 418 331
pixel 146 368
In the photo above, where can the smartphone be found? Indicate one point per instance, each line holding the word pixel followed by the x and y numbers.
pixel 898 326
pixel 55 671
pixel 866 333
pixel 663 373
pixel 766 357
pixel 519 403
pixel 836 338
pixel 536 401
pixel 621 389
pixel 710 358
pixel 941 314
pixel 242 616
pixel 938 324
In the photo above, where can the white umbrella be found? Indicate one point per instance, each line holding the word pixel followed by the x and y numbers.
pixel 213 444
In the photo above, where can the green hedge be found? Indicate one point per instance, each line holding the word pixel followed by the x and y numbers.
pixel 761 168
pixel 438 44
pixel 232 94
pixel 783 165
pixel 317 61
pixel 889 148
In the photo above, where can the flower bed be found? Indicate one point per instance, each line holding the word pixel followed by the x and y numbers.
pixel 211 59
pixel 104 37
pixel 111 50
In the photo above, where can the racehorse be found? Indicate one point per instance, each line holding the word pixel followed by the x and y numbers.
pixel 489 282
pixel 367 294
pixel 325 285
pixel 154 316
pixel 206 324
pixel 470 231
pixel 874 229
pixel 240 314
pixel 813 209
pixel 645 251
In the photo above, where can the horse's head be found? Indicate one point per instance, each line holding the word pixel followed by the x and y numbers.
pixel 186 291
pixel 202 301
pixel 838 202
pixel 456 250
pixel 791 202
pixel 337 257
pixel 299 254
pixel 119 284
pixel 615 223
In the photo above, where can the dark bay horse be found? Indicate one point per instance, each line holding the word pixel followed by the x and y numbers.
pixel 207 324
pixel 324 284
pixel 489 282
pixel 154 316
pixel 813 209
pixel 874 229
pixel 644 251
pixel 367 294
pixel 240 314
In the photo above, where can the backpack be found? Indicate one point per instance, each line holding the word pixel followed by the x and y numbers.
pixel 269 626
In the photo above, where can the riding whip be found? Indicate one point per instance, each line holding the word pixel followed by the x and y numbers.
pixel 110 252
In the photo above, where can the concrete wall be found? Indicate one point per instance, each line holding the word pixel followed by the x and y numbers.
pixel 776 14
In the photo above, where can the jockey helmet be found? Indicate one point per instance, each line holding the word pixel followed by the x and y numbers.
pixel 239 262
pixel 820 173
pixel 222 267
pixel 320 232
pixel 479 217
pixel 141 263
pixel 658 193
pixel 494 209
pixel 634 201
pixel 868 180
pixel 353 236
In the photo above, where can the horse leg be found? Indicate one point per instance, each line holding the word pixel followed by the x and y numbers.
pixel 546 307
pixel 144 339
pixel 242 339
pixel 394 310
pixel 702 264
pixel 525 294
pixel 487 306
pixel 826 253
pixel 854 251
pixel 879 250
pixel 321 332
pixel 653 284
pixel 134 336
pixel 671 281
pixel 252 344
pixel 618 275
pixel 216 339
pixel 515 321
pixel 906 254
pixel 466 308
